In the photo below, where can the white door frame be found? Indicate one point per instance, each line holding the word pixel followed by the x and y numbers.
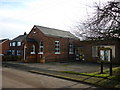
pixel 25 52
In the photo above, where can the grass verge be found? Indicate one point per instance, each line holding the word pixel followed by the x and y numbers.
pixel 103 80
pixel 97 74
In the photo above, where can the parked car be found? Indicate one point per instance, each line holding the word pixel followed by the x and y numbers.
pixel 1 54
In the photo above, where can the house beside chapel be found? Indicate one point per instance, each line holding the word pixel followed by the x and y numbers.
pixel 16 45
pixel 44 44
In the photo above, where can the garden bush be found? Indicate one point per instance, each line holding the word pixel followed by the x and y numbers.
pixel 11 58
pixel 116 71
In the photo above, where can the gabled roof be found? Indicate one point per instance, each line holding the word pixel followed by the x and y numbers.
pixel 55 32
pixel 30 40
pixel 19 38
pixel 2 40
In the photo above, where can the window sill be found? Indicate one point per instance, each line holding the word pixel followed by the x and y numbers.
pixel 32 53
pixel 71 53
pixel 18 55
pixel 95 56
pixel 57 52
pixel 40 53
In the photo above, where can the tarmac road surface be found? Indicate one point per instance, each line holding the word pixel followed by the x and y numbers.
pixel 13 78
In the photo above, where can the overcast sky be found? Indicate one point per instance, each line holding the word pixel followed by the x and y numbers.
pixel 19 16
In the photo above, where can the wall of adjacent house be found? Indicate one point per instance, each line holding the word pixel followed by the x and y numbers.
pixel 91 52
pixel 87 51
pixel 0 48
pixel 117 52
pixel 4 47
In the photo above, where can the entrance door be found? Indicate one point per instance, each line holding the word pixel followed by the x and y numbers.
pixel 80 53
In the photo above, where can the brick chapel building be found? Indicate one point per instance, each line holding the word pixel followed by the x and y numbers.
pixel 44 44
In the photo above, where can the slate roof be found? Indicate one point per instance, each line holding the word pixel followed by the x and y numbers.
pixel 55 32
pixel 19 38
pixel 2 40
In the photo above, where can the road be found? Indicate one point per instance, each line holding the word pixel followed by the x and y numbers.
pixel 13 78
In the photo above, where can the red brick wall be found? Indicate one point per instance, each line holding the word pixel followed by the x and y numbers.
pixel 4 46
pixel 0 48
pixel 117 53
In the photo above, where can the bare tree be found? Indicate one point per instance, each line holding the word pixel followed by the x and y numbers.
pixel 104 24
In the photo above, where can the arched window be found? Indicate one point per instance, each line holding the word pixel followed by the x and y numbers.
pixel 33 49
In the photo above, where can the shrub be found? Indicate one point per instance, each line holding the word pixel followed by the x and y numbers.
pixel 19 58
pixel 11 58
pixel 116 71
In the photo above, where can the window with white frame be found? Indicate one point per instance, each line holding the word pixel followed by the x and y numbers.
pixel 41 47
pixel 71 49
pixel 10 52
pixel 10 43
pixel 57 47
pixel 18 43
pixel 18 52
pixel 13 52
pixel 32 49
pixel 13 43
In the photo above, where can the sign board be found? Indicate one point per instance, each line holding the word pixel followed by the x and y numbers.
pixel 105 54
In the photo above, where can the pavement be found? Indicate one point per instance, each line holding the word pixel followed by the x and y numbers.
pixel 71 66
pixel 53 69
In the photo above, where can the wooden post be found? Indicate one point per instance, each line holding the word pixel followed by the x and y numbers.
pixel 110 62
pixel 101 67
pixel 110 68
pixel 101 61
